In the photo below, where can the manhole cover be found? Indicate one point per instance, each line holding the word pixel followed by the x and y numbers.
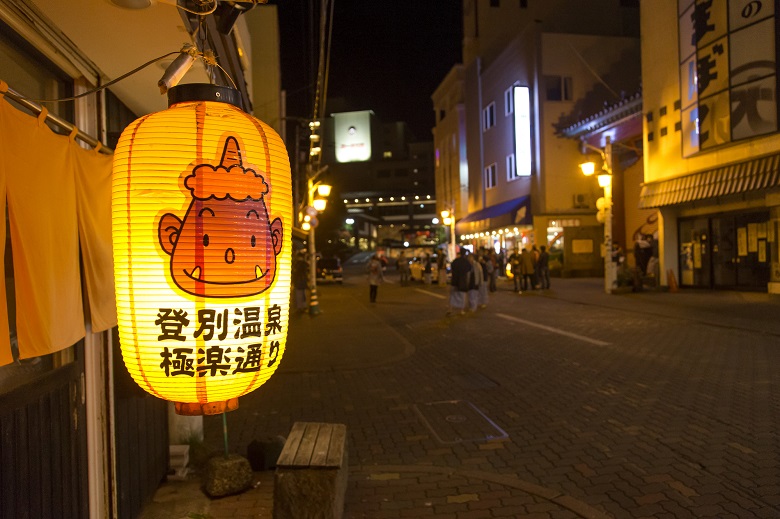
pixel 455 421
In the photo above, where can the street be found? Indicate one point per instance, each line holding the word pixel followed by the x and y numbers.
pixel 560 403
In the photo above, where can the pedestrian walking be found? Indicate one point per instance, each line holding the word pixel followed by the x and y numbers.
pixel 461 272
pixel 527 269
pixel 543 268
pixel 535 278
pixel 484 264
pixel 402 265
pixel 492 270
pixel 427 270
pixel 375 277
pixel 441 267
pixel 475 281
pixel 514 262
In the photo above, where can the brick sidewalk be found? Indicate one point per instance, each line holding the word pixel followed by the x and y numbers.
pixel 374 366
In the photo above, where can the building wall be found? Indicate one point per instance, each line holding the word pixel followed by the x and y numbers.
pixel 581 58
pixel 514 66
pixel 487 28
pixel 262 26
pixel 661 89
pixel 664 127
pixel 449 140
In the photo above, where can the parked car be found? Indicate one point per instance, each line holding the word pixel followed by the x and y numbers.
pixel 329 270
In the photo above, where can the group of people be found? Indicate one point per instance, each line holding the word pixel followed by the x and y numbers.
pixel 473 275
pixel 473 278
pixel 530 268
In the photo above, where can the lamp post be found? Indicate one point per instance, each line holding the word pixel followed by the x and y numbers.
pixel 605 182
pixel 315 205
pixel 448 218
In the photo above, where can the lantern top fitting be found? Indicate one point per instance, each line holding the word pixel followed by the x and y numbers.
pixel 190 92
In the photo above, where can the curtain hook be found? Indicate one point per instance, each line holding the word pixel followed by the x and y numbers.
pixel 42 116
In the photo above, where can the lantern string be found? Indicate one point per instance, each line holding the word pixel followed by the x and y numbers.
pixel 106 85
pixel 208 58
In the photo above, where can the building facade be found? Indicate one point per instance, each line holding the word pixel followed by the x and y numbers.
pixel 384 179
pixel 525 65
pixel 712 149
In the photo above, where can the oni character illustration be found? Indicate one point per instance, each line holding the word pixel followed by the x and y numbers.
pixel 226 244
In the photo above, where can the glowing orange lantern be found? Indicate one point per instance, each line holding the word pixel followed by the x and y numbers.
pixel 201 222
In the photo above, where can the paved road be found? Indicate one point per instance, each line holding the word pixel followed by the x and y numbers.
pixel 551 404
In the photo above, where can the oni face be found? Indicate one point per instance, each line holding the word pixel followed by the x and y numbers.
pixel 223 247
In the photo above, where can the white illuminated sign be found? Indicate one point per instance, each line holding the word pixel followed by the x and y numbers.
pixel 353 136
pixel 522 97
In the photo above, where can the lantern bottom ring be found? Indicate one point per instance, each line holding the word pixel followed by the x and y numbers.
pixel 207 408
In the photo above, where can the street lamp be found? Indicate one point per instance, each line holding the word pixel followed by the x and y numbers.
pixel 448 218
pixel 605 182
pixel 315 205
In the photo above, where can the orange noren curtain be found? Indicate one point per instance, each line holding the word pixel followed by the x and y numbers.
pixel 40 187
pixel 93 192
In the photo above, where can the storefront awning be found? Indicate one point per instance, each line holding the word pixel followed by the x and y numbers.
pixel 740 177
pixel 512 212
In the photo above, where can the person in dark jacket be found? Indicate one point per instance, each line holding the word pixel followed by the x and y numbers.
pixel 543 267
pixel 461 279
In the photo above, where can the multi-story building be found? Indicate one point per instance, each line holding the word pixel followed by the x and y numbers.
pixel 712 149
pixel 524 66
pixel 384 178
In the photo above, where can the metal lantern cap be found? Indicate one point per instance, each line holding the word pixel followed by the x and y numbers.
pixel 190 92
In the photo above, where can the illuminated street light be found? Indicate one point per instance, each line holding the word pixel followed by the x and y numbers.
pixel 448 218
pixel 588 168
pixel 315 205
pixel 605 182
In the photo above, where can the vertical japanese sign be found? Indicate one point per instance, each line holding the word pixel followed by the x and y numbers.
pixel 201 219
pixel 728 74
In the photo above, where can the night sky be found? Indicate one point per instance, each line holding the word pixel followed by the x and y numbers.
pixel 386 56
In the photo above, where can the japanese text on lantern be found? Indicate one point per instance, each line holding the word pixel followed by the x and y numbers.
pixel 214 326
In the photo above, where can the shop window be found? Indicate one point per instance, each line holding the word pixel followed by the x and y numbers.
pixel 118 116
pixel 558 88
pixel 491 176
pixel 489 117
pixel 511 168
pixel 30 73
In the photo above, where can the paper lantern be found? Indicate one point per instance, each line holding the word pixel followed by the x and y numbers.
pixel 201 224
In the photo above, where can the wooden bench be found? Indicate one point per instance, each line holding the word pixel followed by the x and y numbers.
pixel 311 473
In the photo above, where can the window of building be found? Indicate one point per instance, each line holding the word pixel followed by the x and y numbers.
pixel 387 155
pixel 511 167
pixel 495 3
pixel 491 176
pixel 489 117
pixel 523 4
pixel 509 100
pixel 118 116
pixel 558 88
